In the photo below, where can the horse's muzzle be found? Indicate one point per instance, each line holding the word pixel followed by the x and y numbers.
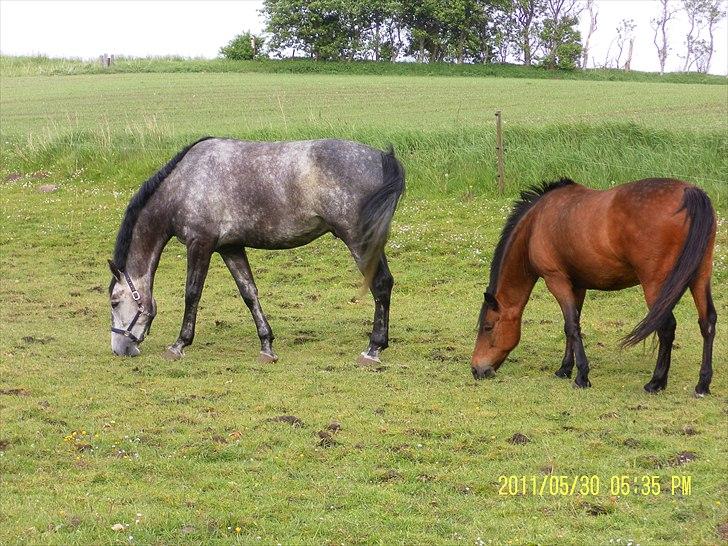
pixel 483 372
pixel 123 346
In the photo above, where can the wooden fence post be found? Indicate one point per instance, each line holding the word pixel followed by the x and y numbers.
pixel 499 152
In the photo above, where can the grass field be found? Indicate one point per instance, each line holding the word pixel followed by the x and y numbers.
pixel 41 65
pixel 190 451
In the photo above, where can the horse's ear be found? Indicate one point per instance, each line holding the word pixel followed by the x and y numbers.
pixel 114 270
pixel 491 301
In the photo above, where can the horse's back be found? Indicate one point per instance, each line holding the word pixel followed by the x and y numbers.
pixel 603 238
pixel 272 194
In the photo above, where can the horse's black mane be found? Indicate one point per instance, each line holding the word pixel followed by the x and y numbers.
pixel 137 203
pixel 529 198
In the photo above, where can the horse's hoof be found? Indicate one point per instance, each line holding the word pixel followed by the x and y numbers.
pixel 172 354
pixel 366 360
pixel 265 358
pixel 581 385
pixel 700 393
pixel 653 388
pixel 563 374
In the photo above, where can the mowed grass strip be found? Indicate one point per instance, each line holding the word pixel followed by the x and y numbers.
pixel 231 103
pixel 194 451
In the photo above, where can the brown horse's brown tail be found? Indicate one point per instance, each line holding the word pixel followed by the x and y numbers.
pixel 376 214
pixel 701 215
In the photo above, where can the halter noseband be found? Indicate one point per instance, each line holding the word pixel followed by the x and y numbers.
pixel 140 311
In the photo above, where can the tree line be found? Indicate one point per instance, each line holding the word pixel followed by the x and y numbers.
pixel 529 32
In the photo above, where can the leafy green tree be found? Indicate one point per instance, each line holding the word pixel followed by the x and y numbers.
pixel 382 28
pixel 526 20
pixel 425 29
pixel 564 43
pixel 559 38
pixel 322 29
pixel 243 47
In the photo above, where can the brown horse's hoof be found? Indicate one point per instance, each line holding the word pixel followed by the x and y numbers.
pixel 172 354
pixel 265 358
pixel 653 388
pixel 577 385
pixel 365 360
pixel 700 394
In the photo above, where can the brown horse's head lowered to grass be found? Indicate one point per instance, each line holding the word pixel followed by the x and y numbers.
pixel 658 233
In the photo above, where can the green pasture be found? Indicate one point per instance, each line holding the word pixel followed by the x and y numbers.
pixel 194 452
pixel 48 66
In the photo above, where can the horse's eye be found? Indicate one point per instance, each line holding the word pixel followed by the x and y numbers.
pixel 487 327
pixel 115 304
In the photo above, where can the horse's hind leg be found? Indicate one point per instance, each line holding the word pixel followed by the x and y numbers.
pixel 567 364
pixel 666 335
pixel 381 288
pixel 236 261
pixel 707 317
pixel 198 262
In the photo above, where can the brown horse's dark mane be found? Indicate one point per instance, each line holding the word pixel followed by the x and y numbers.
pixel 529 197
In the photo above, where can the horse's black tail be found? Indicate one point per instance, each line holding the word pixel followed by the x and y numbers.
pixel 375 215
pixel 701 216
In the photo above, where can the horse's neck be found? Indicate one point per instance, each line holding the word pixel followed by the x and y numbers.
pixel 149 238
pixel 516 280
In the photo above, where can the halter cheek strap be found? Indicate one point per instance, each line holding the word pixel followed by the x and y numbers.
pixel 127 332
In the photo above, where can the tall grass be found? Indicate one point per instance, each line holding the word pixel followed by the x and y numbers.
pixel 438 163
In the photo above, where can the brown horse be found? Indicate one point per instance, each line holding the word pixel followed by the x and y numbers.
pixel 656 232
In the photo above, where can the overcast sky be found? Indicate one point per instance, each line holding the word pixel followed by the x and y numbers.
pixel 194 28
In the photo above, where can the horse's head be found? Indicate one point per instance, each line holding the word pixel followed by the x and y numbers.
pixel 132 313
pixel 498 333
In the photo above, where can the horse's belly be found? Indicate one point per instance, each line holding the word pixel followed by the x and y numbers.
pixel 272 233
pixel 614 276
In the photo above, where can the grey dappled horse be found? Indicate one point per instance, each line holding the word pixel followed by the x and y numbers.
pixel 222 195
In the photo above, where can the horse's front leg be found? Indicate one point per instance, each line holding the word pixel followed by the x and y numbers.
pixel 236 261
pixel 567 364
pixel 566 295
pixel 381 289
pixel 198 262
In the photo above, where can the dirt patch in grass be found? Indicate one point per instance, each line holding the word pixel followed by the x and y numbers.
pixel 15 392
pixel 682 458
pixel 594 509
pixel 334 427
pixel 4 445
pixel 722 531
pixel 288 419
pixel 326 439
pixel 389 476
pixel 37 340
pixel 445 354
pixel 519 439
